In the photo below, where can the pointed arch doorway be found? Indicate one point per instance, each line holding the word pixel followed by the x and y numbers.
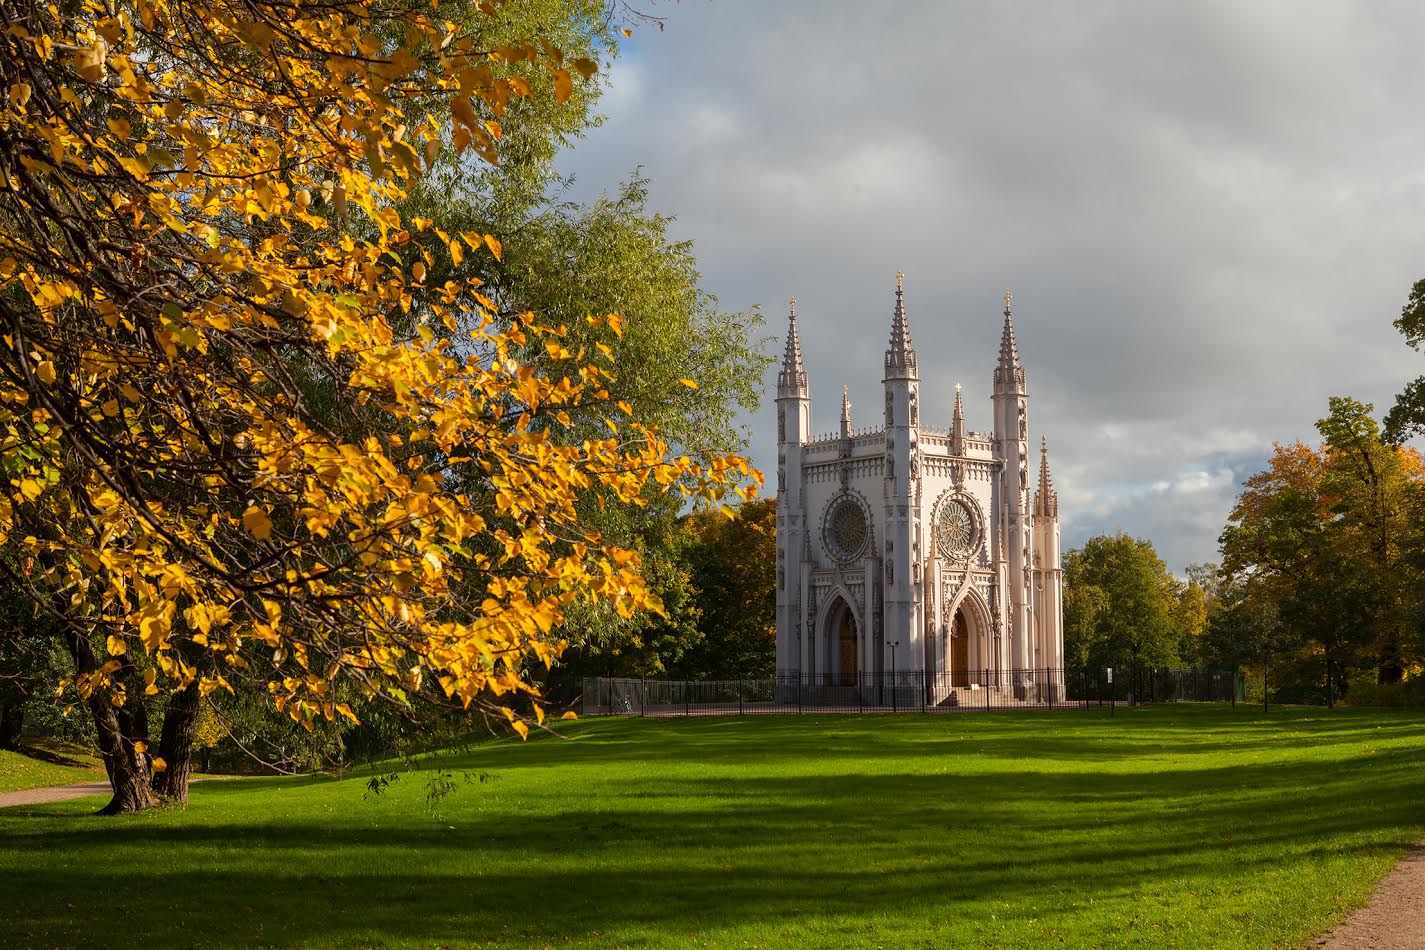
pixel 968 656
pixel 844 651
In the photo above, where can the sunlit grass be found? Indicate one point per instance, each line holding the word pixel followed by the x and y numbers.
pixel 48 762
pixel 1182 826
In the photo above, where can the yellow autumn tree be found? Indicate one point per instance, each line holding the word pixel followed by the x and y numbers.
pixel 236 448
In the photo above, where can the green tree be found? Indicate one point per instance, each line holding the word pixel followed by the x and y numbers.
pixel 1120 604
pixel 733 563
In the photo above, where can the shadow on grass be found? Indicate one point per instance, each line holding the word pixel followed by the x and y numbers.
pixel 663 855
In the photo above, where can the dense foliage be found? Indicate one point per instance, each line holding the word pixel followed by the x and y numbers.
pixel 250 435
pixel 1322 561
pixel 1122 608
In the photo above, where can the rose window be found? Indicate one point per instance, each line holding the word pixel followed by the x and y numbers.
pixel 846 529
pixel 956 528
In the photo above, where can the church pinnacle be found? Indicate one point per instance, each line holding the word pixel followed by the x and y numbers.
pixel 900 356
pixel 845 413
pixel 957 426
pixel 792 380
pixel 1009 370
pixel 1047 503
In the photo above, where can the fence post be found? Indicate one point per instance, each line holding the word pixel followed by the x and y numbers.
pixel 799 692
pixel 687 703
pixel 642 698
pixel 860 701
pixel 739 695
pixel 987 690
pixel 924 690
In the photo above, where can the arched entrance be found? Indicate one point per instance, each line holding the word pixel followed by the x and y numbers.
pixel 959 650
pixel 844 653
pixel 969 658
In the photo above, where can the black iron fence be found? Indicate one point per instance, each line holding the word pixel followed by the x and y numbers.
pixel 911 691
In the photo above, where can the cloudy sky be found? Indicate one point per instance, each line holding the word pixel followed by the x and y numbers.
pixel 1208 213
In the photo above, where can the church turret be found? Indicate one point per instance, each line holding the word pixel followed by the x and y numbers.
pixel 845 413
pixel 901 485
pixel 957 426
pixel 793 432
pixel 1011 446
pixel 1048 569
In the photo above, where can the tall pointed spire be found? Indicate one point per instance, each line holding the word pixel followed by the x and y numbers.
pixel 792 380
pixel 900 355
pixel 957 426
pixel 1008 370
pixel 845 413
pixel 1047 502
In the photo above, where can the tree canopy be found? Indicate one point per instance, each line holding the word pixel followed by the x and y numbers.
pixel 249 435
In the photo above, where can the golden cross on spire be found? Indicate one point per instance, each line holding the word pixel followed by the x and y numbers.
pixel 1007 298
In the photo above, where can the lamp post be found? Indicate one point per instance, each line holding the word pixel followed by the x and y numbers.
pixel 894 702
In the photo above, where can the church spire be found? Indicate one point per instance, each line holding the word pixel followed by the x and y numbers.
pixel 1008 371
pixel 845 413
pixel 792 380
pixel 957 426
pixel 900 356
pixel 1047 503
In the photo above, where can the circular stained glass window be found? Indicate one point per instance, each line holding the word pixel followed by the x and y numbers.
pixel 846 529
pixel 956 528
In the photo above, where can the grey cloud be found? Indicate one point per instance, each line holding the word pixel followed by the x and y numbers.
pixel 1209 214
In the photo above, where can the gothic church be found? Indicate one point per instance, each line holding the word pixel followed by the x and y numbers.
pixel 911 547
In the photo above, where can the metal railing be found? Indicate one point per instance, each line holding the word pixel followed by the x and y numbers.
pixel 908 691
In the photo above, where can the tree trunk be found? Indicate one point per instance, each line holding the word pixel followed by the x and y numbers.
pixel 12 722
pixel 127 767
pixel 175 747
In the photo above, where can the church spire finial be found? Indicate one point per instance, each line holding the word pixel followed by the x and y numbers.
pixel 1047 503
pixel 900 356
pixel 1009 370
pixel 957 426
pixel 792 380
pixel 845 413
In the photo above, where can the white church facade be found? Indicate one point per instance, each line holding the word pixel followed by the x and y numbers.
pixel 915 549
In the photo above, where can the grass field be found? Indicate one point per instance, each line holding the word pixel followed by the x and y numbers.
pixel 1168 826
pixel 47 762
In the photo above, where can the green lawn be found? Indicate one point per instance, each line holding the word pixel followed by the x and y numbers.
pixel 47 762
pixel 1181 826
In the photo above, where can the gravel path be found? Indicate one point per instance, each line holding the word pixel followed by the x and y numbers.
pixel 1395 918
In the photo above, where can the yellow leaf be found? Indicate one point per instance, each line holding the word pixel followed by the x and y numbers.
pixel 494 245
pixel 45 371
pixel 689 383
pixel 159 765
pixel 563 86
pixel 117 646
pixel 256 521
pixel 520 727
pixel 141 747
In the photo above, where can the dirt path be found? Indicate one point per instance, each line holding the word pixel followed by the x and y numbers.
pixel 59 793
pixel 1395 918
pixel 52 793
